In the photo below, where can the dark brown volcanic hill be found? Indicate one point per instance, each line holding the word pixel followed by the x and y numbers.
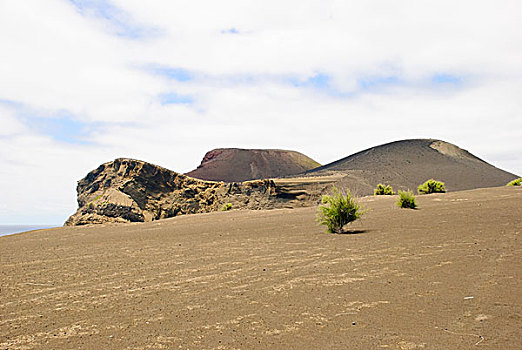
pixel 236 165
pixel 408 163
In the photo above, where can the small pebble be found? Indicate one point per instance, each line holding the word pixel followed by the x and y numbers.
pixel 353 323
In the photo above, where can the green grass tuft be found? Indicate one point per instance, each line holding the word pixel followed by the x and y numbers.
pixel 383 190
pixel 431 186
pixel 516 182
pixel 406 200
pixel 226 207
pixel 338 210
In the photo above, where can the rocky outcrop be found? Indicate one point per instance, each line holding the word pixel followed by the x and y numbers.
pixel 235 164
pixel 128 190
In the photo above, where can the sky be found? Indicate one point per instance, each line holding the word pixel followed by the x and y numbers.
pixel 85 82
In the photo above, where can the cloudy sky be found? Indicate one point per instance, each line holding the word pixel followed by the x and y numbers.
pixel 84 82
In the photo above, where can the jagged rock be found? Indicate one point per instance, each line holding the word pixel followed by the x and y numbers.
pixel 128 190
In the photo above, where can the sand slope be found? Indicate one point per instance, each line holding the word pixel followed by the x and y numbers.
pixel 236 165
pixel 406 164
pixel 446 276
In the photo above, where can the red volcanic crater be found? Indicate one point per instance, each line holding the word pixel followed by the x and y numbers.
pixel 235 164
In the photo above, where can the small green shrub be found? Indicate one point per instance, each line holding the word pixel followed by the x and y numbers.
pixel 226 207
pixel 431 186
pixel 516 182
pixel 338 210
pixel 406 200
pixel 383 190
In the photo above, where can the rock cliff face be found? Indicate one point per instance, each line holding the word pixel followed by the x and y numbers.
pixel 235 164
pixel 127 190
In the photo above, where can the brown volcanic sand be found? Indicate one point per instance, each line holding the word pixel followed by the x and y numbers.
pixel 408 163
pixel 236 165
pixel 446 276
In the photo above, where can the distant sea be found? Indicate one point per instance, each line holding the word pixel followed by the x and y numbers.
pixel 10 229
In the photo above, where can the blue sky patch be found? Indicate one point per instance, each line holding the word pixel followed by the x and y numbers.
pixel 173 98
pixel 444 78
pixel 318 81
pixel 121 23
pixel 375 82
pixel 230 31
pixel 321 82
pixel 59 125
pixel 174 73
pixel 62 129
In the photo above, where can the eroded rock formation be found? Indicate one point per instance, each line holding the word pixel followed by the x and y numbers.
pixel 128 190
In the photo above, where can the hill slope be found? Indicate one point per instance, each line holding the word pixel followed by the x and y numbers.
pixel 405 164
pixel 235 165
pixel 127 190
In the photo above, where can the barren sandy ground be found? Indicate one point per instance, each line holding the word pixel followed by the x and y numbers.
pixel 446 276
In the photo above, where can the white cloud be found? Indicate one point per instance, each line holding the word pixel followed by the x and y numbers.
pixel 53 58
pixel 327 78
pixel 10 123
